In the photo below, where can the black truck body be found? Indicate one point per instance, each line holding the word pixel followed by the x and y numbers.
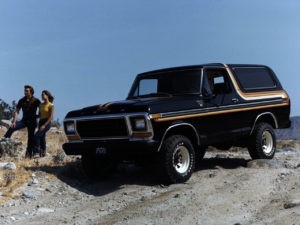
pixel 191 106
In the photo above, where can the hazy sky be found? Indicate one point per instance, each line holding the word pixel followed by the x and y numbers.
pixel 88 52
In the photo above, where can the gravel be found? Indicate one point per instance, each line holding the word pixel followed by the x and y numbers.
pixel 227 189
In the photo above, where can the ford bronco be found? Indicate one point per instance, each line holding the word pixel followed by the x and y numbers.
pixel 172 115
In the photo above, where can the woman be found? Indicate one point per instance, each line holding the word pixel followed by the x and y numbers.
pixel 46 111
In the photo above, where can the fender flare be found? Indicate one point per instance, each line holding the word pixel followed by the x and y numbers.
pixel 263 114
pixel 178 125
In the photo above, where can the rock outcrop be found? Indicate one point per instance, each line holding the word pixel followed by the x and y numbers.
pixel 9 147
pixel 5 123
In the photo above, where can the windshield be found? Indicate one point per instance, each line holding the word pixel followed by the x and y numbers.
pixel 167 84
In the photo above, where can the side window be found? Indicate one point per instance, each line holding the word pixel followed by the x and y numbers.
pixel 219 80
pixel 216 80
pixel 253 79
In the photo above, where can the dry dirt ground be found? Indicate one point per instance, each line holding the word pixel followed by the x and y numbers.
pixel 227 188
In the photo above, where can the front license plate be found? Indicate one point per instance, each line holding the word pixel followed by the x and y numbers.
pixel 101 151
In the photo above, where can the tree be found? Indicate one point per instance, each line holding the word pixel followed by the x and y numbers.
pixel 56 123
pixel 6 110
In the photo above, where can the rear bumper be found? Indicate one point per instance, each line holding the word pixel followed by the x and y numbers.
pixel 119 148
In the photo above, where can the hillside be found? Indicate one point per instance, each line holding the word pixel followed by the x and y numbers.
pixel 227 188
pixel 291 133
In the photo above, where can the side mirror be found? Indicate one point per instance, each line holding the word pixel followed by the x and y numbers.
pixel 207 93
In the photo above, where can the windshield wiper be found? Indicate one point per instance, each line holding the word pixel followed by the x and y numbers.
pixel 153 94
pixel 161 94
pixel 132 97
pixel 157 94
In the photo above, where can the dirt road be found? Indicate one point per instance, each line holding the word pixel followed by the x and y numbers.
pixel 226 189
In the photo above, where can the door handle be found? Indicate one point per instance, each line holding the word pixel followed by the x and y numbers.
pixel 235 100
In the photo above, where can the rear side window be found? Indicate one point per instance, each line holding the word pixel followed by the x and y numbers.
pixel 252 79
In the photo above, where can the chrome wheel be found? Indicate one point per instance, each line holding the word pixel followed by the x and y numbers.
pixel 181 159
pixel 267 142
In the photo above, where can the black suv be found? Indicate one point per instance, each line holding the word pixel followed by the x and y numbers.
pixel 172 115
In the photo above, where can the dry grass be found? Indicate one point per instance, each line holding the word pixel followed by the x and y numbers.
pixel 281 144
pixel 11 181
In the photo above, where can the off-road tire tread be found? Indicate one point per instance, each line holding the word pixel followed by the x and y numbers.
pixel 254 146
pixel 169 174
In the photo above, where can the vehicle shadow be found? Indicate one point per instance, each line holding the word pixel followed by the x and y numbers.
pixel 127 174
pixel 225 163
pixel 72 174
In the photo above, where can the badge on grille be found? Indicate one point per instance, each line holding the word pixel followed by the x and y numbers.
pixel 101 151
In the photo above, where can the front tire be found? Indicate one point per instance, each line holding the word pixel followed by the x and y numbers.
pixel 262 142
pixel 177 159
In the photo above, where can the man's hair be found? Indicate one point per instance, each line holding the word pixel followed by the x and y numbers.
pixel 30 88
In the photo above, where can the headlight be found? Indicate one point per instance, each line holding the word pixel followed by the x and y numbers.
pixel 70 127
pixel 138 124
pixel 141 127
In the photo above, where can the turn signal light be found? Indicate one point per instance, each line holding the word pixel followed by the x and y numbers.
pixel 141 134
pixel 73 137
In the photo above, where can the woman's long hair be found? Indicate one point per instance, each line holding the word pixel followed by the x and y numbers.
pixel 50 96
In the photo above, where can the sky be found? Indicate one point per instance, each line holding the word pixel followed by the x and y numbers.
pixel 89 52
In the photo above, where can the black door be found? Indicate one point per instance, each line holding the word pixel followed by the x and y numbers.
pixel 222 120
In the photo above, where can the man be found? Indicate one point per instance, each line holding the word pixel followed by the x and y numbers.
pixel 29 105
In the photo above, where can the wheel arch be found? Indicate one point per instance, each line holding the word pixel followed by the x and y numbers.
pixel 181 128
pixel 267 117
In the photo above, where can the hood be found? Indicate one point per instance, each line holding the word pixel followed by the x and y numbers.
pixel 149 105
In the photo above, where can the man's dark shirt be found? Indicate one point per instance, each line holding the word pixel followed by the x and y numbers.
pixel 29 107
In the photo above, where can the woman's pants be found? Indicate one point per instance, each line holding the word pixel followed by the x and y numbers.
pixel 40 138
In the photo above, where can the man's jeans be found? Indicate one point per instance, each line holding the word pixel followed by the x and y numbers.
pixel 31 125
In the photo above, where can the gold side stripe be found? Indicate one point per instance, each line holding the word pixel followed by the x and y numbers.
pixel 157 117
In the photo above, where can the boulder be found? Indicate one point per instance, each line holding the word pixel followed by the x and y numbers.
pixel 292 203
pixel 27 194
pixel 9 147
pixel 5 123
pixel 8 166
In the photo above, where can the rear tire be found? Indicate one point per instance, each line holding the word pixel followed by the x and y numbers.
pixel 262 142
pixel 98 166
pixel 177 159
